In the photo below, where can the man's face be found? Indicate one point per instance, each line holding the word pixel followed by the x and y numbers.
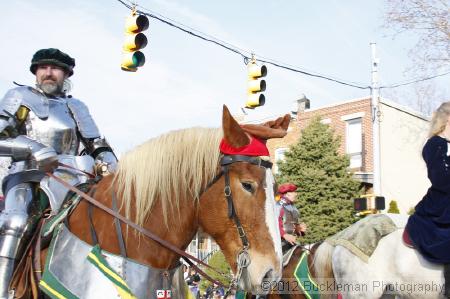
pixel 50 78
pixel 292 196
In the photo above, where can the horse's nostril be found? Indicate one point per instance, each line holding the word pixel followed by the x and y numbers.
pixel 269 275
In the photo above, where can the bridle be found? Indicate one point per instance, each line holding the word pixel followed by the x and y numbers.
pixel 225 163
pixel 243 257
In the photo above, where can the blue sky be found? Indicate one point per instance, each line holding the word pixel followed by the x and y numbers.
pixel 185 80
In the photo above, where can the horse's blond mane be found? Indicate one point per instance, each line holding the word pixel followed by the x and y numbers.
pixel 173 166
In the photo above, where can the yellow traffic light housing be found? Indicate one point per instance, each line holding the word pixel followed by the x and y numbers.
pixel 256 86
pixel 134 41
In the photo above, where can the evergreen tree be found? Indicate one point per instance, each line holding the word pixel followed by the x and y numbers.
pixel 393 207
pixel 325 187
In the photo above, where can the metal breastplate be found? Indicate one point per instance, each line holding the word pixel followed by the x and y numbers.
pixel 67 261
pixel 291 216
pixel 58 130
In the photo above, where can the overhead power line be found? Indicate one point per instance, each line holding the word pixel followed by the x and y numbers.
pixel 235 49
pixel 246 55
pixel 312 75
pixel 201 35
pixel 415 81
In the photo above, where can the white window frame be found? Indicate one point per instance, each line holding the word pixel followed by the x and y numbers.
pixel 354 145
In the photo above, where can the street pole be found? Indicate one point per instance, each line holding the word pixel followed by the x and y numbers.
pixel 375 122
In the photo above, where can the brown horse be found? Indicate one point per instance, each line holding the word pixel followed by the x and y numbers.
pixel 289 287
pixel 174 184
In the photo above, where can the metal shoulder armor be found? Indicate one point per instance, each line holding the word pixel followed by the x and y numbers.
pixel 84 120
pixel 11 103
pixel 25 96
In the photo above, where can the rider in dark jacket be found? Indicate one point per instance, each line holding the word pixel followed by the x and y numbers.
pixel 429 226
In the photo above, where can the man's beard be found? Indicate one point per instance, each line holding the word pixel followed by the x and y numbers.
pixel 52 88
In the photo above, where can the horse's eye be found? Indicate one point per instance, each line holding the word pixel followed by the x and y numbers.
pixel 247 186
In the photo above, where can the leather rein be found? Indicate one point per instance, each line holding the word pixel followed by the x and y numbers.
pixel 243 258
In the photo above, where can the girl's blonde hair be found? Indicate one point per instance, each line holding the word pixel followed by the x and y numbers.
pixel 439 119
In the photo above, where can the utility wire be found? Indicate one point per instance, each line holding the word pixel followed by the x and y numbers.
pixel 185 30
pixel 261 59
pixel 247 57
pixel 312 75
pixel 234 49
pixel 415 81
pixel 304 69
pixel 195 30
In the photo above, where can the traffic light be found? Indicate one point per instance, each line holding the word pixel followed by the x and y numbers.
pixel 256 85
pixel 134 41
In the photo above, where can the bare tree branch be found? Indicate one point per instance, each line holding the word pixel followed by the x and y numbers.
pixel 430 21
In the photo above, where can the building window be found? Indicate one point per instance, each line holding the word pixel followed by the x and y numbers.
pixel 279 156
pixel 354 142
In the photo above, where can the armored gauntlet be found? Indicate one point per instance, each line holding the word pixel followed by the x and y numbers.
pixel 24 148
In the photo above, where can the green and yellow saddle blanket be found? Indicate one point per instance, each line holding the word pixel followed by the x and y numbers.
pixel 75 269
pixel 303 276
pixel 305 283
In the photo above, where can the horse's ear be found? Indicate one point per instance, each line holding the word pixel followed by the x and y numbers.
pixel 271 129
pixel 284 122
pixel 232 131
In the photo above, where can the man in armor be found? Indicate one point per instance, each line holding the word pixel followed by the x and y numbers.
pixel 40 127
pixel 289 216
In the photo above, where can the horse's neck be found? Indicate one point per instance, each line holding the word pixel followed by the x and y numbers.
pixel 178 230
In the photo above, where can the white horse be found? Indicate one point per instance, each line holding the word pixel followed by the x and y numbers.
pixel 394 270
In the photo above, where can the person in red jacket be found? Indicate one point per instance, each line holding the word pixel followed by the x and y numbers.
pixel 289 218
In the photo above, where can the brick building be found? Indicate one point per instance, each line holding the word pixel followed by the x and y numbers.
pixel 402 135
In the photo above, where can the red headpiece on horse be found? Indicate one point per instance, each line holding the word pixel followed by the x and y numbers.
pixel 257 135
